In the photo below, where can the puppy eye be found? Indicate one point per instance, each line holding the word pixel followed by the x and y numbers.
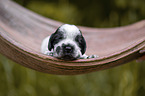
pixel 58 37
pixel 78 39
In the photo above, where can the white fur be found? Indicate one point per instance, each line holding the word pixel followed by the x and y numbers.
pixel 69 31
pixel 44 46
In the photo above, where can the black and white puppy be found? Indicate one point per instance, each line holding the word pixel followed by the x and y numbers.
pixel 66 43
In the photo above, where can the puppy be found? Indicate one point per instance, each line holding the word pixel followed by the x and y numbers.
pixel 66 43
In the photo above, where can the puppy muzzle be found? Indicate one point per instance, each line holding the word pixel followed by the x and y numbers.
pixel 66 51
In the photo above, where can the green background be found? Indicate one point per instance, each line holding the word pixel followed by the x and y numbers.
pixel 124 80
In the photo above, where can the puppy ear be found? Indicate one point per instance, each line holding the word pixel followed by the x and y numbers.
pixel 54 39
pixel 50 43
pixel 82 43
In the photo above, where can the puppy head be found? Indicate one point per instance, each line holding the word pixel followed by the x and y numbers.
pixel 67 42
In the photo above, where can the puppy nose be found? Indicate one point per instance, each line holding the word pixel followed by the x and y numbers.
pixel 68 49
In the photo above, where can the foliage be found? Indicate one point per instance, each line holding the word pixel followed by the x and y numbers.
pixel 94 13
pixel 125 80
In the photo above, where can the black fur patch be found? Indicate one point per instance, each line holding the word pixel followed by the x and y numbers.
pixel 54 39
pixel 81 43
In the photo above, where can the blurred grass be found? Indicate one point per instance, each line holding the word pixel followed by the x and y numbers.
pixel 94 13
pixel 55 11
pixel 125 80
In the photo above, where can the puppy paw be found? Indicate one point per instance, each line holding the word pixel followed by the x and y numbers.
pixel 48 53
pixel 88 57
pixel 83 56
pixel 92 56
